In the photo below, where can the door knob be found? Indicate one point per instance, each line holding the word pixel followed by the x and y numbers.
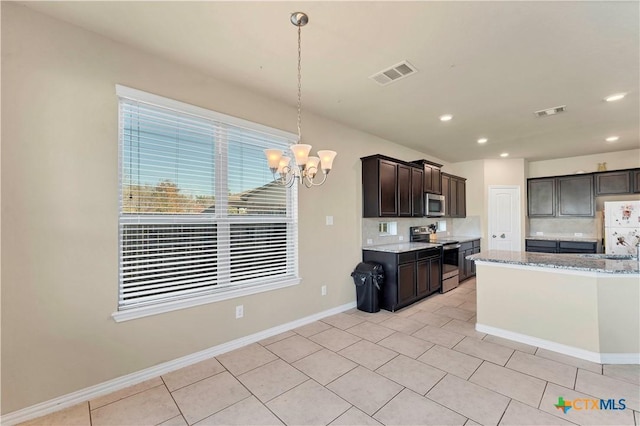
pixel 493 236
pixel 502 236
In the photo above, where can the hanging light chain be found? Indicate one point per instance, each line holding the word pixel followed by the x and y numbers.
pixel 299 85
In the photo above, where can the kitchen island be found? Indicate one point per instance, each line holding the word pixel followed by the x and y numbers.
pixel 583 305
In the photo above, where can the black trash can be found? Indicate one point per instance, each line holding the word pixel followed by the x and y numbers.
pixel 368 277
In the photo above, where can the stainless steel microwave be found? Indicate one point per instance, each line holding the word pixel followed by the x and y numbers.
pixel 434 205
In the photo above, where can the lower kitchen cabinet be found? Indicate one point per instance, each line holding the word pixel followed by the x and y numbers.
pixel 560 246
pixel 409 276
pixel 467 267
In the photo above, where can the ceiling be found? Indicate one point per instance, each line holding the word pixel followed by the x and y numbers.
pixel 489 64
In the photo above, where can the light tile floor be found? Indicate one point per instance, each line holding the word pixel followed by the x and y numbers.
pixel 423 365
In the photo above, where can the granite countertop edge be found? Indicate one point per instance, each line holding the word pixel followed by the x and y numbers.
pixel 573 262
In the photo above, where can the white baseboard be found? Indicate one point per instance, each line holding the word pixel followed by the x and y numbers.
pixel 600 358
pixel 110 386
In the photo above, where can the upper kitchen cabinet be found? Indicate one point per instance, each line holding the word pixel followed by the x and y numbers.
pixel 564 196
pixel 541 197
pixel 432 178
pixel 611 183
pixel 454 189
pixel 576 196
pixel 391 188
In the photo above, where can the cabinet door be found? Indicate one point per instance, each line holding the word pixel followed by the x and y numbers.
pixel 404 190
pixel 435 275
pixel 462 202
pixel 436 181
pixel 388 188
pixel 613 183
pixel 445 191
pixel 453 197
pixel 541 195
pixel 462 273
pixel 475 250
pixel 635 176
pixel 575 196
pixel 417 192
pixel 469 265
pixel 422 277
pixel 406 282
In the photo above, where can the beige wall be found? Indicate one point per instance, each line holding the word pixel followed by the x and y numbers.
pixel 587 163
pixel 60 213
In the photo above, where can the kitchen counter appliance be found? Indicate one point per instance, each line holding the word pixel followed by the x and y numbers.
pixel 450 248
pixel 434 205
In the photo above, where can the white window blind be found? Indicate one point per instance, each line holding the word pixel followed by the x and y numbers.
pixel 199 214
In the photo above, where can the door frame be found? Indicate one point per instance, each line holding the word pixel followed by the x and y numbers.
pixel 518 223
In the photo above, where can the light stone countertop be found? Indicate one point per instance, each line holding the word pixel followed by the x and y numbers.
pixel 401 247
pixel 610 264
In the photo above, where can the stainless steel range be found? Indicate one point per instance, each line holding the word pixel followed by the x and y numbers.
pixel 450 249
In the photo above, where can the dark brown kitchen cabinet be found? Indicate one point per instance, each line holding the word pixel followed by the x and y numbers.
pixel 618 182
pixel 432 178
pixel 409 276
pixel 467 267
pixel 564 196
pixel 404 190
pixel 417 192
pixel 560 246
pixel 576 196
pixel 454 189
pixel 391 188
pixel 635 177
pixel 541 197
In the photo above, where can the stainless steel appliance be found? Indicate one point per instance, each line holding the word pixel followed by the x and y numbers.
pixel 450 250
pixel 434 205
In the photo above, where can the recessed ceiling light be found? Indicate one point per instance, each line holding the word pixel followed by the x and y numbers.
pixel 446 117
pixel 504 154
pixel 482 140
pixel 616 97
pixel 612 138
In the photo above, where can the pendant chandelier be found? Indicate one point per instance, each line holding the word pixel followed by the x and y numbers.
pixel 305 170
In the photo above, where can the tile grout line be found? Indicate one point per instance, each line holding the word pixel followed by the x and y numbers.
pixel 174 401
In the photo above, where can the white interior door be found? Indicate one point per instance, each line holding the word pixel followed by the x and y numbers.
pixel 504 218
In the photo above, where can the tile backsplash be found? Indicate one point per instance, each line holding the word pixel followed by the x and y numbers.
pixel 590 227
pixel 370 229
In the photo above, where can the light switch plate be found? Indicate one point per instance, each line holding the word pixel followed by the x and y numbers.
pixel 539 233
pixel 329 220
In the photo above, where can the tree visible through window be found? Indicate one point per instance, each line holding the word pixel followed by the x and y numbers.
pixel 199 211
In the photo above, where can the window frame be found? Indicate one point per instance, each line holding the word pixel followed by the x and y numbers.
pixel 226 291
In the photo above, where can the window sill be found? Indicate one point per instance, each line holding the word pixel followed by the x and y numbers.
pixel 146 311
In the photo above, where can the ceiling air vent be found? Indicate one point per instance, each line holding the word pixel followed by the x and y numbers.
pixel 551 111
pixel 395 73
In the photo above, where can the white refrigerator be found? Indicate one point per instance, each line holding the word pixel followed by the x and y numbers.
pixel 621 226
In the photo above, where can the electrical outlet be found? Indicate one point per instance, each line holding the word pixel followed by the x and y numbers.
pixel 239 311
pixel 539 233
pixel 401 238
pixel 323 290
pixel 577 234
pixel 369 241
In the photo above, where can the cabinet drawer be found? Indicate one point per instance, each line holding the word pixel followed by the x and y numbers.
pixel 542 244
pixel 577 247
pixel 476 243
pixel 423 254
pixel 466 246
pixel 409 256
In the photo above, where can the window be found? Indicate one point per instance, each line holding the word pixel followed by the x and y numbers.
pixel 200 218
